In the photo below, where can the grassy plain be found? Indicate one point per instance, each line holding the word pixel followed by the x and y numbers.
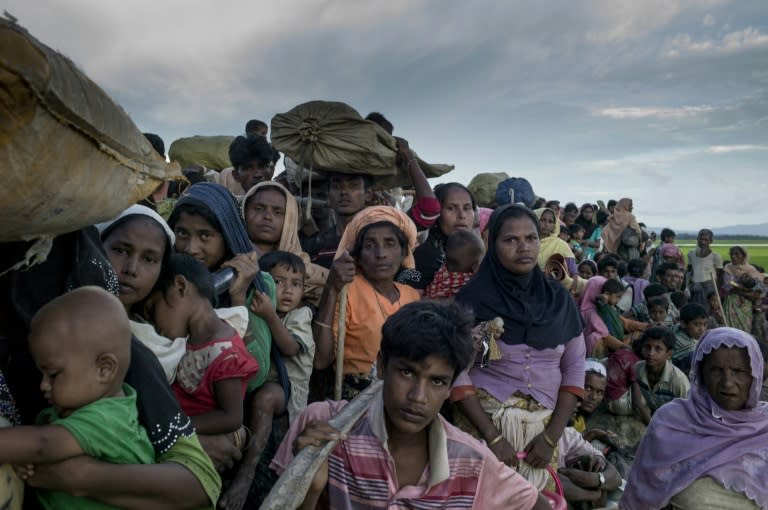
pixel 756 248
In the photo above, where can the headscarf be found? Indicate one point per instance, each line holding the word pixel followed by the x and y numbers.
pixel 589 225
pixel 137 210
pixel 224 206
pixel 694 437
pixel 552 244
pixel 483 216
pixel 591 365
pixel 617 222
pixel 289 239
pixel 537 310
pixel 375 214
pixel 738 271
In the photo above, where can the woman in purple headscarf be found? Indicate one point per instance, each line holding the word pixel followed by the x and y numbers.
pixel 709 450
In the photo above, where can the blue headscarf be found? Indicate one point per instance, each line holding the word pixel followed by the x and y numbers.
pixel 224 206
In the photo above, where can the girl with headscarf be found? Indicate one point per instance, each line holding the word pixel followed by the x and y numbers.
pixel 271 217
pixel 621 219
pixel 586 219
pixel 376 244
pixel 744 288
pixel 708 451
pixel 551 243
pixel 522 395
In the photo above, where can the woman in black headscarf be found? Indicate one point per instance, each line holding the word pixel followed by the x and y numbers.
pixel 521 395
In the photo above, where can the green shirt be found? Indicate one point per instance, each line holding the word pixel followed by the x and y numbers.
pixel 260 342
pixel 108 430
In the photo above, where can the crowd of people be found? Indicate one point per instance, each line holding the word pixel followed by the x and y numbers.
pixel 181 354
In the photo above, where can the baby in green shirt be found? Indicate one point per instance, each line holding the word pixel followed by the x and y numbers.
pixel 81 344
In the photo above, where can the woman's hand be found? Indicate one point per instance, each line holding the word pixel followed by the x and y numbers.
pixel 342 271
pixel 505 453
pixel 246 266
pixel 538 452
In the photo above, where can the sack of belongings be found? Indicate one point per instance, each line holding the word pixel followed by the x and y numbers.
pixel 69 156
pixel 332 137
pixel 483 187
pixel 208 151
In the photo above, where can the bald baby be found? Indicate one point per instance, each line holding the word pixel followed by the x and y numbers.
pixel 81 343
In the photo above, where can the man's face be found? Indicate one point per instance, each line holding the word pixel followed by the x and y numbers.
pixel 347 194
pixel 252 173
pixel 414 391
pixel 594 389
pixel 672 279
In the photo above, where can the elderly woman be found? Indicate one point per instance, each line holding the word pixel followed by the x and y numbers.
pixel 376 244
pixel 744 288
pixel 708 451
pixel 522 395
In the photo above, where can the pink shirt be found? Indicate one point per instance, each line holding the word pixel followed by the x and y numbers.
pixel 462 473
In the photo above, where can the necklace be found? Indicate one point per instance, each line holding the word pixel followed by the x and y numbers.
pixel 378 301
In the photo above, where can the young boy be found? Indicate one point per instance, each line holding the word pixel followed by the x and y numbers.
pixel 81 342
pixel 288 271
pixel 658 380
pixel 706 268
pixel 402 453
pixel 693 324
pixel 658 311
pixel 464 252
pixel 577 240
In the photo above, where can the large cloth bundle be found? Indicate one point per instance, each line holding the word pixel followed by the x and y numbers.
pixel 208 151
pixel 69 156
pixel 483 187
pixel 330 136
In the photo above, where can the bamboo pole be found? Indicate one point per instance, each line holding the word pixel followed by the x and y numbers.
pixel 291 488
pixel 340 344
pixel 719 303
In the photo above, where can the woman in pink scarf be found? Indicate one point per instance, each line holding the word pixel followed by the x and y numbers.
pixel 709 450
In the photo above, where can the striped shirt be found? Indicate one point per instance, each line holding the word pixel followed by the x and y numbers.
pixel 462 473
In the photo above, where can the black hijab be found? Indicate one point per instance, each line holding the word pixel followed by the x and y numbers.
pixel 537 310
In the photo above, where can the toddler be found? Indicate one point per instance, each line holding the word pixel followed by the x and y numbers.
pixel 212 375
pixel 81 343
pixel 577 240
pixel 464 252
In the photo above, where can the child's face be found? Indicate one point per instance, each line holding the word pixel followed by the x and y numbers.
pixel 265 215
pixel 703 241
pixel 462 260
pixel 658 314
pixel 196 237
pixel 169 311
pixel 714 303
pixel 578 235
pixel 609 272
pixel 290 287
pixel 565 235
pixel 695 328
pixel 414 391
pixel 585 271
pixel 612 299
pixel 71 376
pixel 655 353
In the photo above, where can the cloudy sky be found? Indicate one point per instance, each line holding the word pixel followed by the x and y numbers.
pixel 665 101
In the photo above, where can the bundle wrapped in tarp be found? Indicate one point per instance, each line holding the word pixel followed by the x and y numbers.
pixel 330 136
pixel 69 156
pixel 483 187
pixel 208 151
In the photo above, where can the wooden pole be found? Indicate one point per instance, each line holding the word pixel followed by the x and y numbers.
pixel 291 488
pixel 340 344
pixel 719 303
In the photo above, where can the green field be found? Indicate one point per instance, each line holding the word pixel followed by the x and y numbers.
pixel 756 248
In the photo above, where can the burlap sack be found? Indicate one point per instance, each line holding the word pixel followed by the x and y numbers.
pixel 208 151
pixel 69 156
